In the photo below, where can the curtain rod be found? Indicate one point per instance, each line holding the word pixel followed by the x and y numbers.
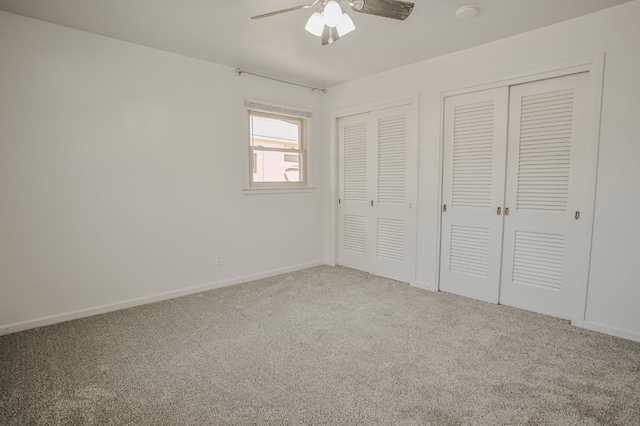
pixel 240 71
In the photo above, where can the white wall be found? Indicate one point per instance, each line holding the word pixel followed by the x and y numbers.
pixel 121 175
pixel 121 167
pixel 614 289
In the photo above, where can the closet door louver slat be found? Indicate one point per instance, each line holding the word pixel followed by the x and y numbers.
pixel 473 154
pixel 545 151
pixel 469 252
pixel 392 153
pixel 390 239
pixel 355 162
pixel 530 249
pixel 355 233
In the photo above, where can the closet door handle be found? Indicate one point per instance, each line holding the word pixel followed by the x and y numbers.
pixel 499 211
pixel 371 203
pixel 506 211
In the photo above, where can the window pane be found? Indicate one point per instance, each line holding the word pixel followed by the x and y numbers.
pixel 274 131
pixel 275 166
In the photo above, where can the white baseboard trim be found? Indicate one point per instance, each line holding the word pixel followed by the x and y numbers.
pixel 423 285
pixel 81 313
pixel 618 332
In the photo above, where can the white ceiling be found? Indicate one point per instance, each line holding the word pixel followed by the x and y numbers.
pixel 221 31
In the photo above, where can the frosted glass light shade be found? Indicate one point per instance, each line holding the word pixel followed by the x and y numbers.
pixel 332 14
pixel 315 24
pixel 345 26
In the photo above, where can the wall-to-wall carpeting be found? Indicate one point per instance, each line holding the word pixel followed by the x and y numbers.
pixel 319 346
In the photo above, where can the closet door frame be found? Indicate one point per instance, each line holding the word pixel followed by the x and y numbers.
pixel 594 65
pixel 331 204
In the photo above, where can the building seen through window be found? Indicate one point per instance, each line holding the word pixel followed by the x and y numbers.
pixel 277 148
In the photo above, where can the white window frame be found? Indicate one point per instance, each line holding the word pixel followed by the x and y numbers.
pixel 267 108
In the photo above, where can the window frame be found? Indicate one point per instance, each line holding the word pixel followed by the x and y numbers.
pixel 270 110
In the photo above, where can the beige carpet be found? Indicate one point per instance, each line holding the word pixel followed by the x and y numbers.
pixel 320 346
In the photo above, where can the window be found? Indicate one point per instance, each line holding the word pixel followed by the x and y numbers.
pixel 277 146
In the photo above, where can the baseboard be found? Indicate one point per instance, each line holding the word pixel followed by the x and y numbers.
pixel 618 332
pixel 81 313
pixel 423 285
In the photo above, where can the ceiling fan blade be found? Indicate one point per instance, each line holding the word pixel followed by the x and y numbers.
pixel 289 9
pixel 329 35
pixel 394 9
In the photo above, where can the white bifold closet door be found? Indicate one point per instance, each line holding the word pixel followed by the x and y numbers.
pixel 475 141
pixel 517 163
pixel 545 240
pixel 377 165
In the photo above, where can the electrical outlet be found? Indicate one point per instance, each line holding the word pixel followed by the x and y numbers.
pixel 218 259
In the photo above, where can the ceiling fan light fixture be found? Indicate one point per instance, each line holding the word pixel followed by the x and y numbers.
pixel 315 24
pixel 346 25
pixel 330 23
pixel 332 14
pixel 329 35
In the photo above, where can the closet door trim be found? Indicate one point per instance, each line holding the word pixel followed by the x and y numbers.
pixel 594 65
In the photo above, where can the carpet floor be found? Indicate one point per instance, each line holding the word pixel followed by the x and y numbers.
pixel 319 346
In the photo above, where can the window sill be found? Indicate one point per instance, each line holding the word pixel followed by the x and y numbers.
pixel 264 191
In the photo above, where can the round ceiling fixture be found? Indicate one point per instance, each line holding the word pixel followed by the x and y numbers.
pixel 466 12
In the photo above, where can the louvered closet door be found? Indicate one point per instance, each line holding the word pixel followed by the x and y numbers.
pixel 353 176
pixel 393 185
pixel 475 131
pixel 547 162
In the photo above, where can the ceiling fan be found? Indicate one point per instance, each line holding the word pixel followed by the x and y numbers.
pixel 330 23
